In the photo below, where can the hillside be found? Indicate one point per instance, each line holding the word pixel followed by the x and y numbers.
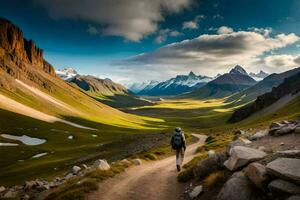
pixel 288 90
pixel 227 84
pixel 108 92
pixel 35 104
pixel 262 87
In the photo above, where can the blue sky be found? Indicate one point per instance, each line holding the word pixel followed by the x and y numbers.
pixel 129 40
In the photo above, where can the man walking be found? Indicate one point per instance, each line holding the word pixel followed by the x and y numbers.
pixel 178 144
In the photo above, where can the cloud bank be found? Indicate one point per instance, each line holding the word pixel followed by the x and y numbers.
pixel 209 53
pixel 131 19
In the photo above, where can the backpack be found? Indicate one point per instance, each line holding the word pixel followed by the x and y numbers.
pixel 177 142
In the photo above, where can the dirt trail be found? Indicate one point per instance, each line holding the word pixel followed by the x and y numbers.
pixel 150 181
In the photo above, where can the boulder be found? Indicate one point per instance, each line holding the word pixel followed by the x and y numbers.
pixel 257 174
pixel 209 165
pixel 241 156
pixel 288 153
pixel 196 191
pixel 294 197
pixel 137 161
pixel 29 185
pixel 238 188
pixel 237 142
pixel 102 165
pixel 75 169
pixel 285 168
pixel 282 186
pixel 258 135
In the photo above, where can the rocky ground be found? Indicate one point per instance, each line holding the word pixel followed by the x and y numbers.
pixel 255 166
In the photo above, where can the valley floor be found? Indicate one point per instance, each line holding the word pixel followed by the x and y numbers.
pixel 152 181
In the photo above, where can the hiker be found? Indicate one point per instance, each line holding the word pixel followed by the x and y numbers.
pixel 178 144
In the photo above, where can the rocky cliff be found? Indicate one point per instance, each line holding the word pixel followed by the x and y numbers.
pixel 290 86
pixel 20 58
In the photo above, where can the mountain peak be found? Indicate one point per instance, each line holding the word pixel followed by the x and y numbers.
pixel 238 70
pixel 192 73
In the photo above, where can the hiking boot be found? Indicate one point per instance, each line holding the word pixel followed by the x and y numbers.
pixel 178 168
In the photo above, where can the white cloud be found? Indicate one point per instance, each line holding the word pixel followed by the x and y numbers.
pixel 281 62
pixel 131 19
pixel 194 23
pixel 163 34
pixel 212 53
pixel 225 30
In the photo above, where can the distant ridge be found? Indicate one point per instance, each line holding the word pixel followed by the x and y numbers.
pixel 227 84
pixel 178 85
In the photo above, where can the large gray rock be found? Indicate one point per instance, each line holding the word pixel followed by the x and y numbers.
pixel 238 188
pixel 238 142
pixel 196 191
pixel 285 168
pixel 241 156
pixel 282 186
pixel 257 174
pixel 102 165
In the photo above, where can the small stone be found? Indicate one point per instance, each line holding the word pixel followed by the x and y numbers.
pixel 11 194
pixel 281 144
pixel 196 191
pixel 137 161
pixel 75 169
pixel 68 176
pixel 258 135
pixel 262 148
pixel 211 153
pixel 281 186
pixel 102 165
pixel 2 189
pixel 84 166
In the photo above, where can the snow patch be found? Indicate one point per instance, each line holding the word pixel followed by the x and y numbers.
pixel 30 141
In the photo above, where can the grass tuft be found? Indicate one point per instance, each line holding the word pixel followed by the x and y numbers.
pixel 214 178
pixel 150 156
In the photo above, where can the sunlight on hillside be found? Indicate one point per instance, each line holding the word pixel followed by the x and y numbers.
pixel 186 104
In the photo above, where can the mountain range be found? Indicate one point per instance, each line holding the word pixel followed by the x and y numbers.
pixel 174 86
pixel 227 84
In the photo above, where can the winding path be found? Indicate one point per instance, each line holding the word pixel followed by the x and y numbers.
pixel 150 181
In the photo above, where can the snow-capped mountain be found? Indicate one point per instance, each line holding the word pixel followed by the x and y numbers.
pixel 178 85
pixel 238 70
pixel 66 74
pixel 137 87
pixel 225 85
pixel 259 76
